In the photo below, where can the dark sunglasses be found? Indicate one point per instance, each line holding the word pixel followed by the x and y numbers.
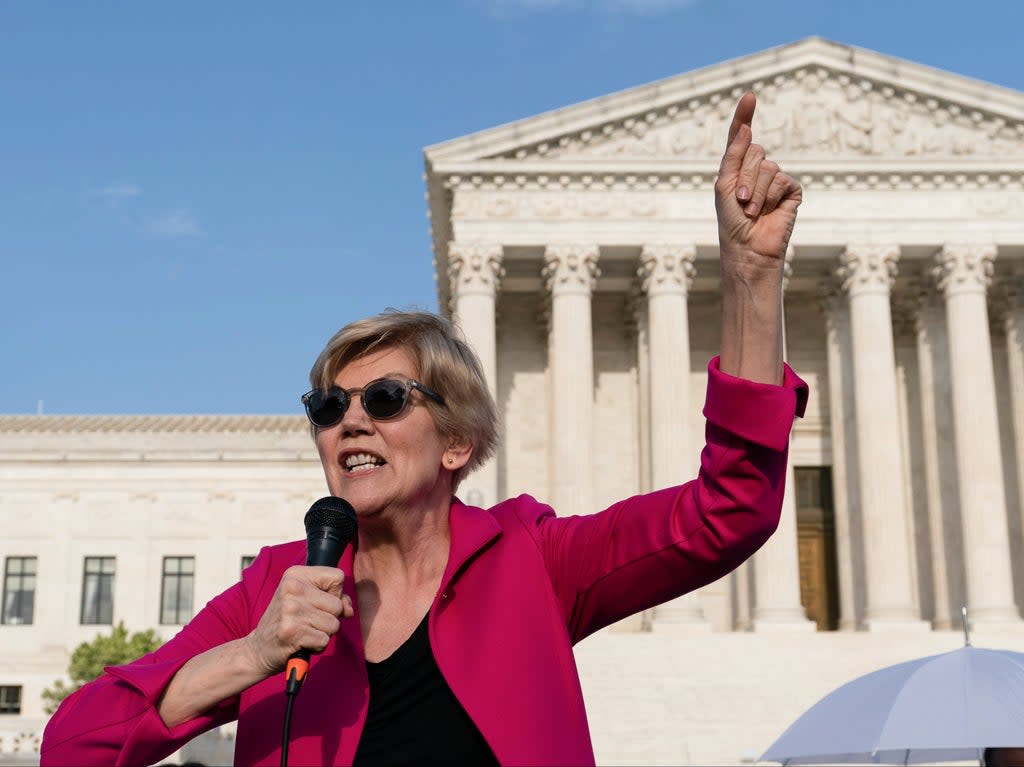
pixel 383 399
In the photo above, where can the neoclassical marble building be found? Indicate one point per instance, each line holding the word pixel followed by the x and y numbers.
pixel 578 250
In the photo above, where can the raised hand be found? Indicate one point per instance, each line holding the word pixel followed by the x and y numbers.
pixel 755 200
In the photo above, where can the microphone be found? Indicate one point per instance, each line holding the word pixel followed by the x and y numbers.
pixel 330 526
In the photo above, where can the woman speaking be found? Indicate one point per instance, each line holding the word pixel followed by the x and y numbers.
pixel 445 633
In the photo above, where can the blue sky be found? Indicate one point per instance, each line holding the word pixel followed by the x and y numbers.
pixel 195 195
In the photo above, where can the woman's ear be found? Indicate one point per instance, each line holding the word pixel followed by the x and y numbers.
pixel 457 455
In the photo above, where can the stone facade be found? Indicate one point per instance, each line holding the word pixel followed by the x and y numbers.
pixel 913 224
pixel 578 250
pixel 138 489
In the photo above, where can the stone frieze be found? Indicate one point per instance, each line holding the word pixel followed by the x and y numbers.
pixel 808 112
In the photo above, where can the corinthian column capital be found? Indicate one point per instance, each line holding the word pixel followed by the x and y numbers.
pixel 868 268
pixel 474 267
pixel 964 268
pixel 570 268
pixel 666 268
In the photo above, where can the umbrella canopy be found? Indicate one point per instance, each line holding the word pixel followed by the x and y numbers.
pixel 947 707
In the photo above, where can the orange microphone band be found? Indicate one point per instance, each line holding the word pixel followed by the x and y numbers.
pixel 298 667
pixel 294 673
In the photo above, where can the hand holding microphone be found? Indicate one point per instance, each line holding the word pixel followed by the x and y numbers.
pixel 304 613
pixel 306 610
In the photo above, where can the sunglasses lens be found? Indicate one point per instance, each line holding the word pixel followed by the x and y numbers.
pixel 385 399
pixel 327 409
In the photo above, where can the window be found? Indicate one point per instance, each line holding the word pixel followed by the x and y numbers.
pixel 247 560
pixel 10 700
pixel 19 590
pixel 98 591
pixel 176 591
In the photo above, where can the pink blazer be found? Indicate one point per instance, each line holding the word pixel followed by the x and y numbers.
pixel 520 588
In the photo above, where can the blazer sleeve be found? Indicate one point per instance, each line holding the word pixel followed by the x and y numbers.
pixel 651 548
pixel 114 720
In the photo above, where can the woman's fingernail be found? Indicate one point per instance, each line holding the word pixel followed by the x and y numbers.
pixel 752 209
pixel 743 193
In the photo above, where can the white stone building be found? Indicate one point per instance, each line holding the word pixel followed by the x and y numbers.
pixel 579 251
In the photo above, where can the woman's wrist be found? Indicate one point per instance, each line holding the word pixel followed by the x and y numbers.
pixel 741 267
pixel 250 657
pixel 752 320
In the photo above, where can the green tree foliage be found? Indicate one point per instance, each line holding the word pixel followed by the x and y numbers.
pixel 89 659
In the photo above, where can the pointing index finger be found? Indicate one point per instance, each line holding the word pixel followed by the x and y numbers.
pixel 744 115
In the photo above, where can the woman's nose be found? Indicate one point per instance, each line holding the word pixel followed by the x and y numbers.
pixel 355 419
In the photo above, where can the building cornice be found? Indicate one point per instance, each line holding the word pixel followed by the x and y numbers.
pixel 151 424
pixel 655 175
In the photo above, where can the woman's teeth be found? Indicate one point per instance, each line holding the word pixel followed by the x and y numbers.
pixel 362 462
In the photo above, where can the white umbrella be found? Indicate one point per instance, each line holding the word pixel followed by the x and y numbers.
pixel 947 707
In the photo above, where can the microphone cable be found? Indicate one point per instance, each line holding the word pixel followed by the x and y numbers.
pixel 287 734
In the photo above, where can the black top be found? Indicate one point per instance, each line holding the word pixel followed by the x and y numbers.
pixel 414 717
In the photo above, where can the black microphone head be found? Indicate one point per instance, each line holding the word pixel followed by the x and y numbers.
pixel 332 512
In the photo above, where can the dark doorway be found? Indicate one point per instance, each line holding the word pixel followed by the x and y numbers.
pixel 816 540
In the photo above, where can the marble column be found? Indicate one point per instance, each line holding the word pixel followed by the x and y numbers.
pixel 570 272
pixel 939 462
pixel 867 272
pixel 637 319
pixel 1013 323
pixel 475 272
pixel 636 322
pixel 666 272
pixel 907 384
pixel 777 603
pixel 843 438
pixel 963 273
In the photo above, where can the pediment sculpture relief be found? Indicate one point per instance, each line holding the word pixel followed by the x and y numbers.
pixel 812 112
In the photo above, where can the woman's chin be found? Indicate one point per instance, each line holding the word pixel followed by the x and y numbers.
pixel 367 505
pixel 356 489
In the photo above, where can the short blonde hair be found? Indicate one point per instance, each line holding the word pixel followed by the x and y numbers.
pixel 444 362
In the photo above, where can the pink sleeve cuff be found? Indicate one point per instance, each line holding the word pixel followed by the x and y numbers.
pixel 102 724
pixel 758 412
pixel 151 680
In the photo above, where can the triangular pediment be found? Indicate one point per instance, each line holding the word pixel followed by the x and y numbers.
pixel 818 101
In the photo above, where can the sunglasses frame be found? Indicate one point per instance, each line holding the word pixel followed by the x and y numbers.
pixel 346 396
